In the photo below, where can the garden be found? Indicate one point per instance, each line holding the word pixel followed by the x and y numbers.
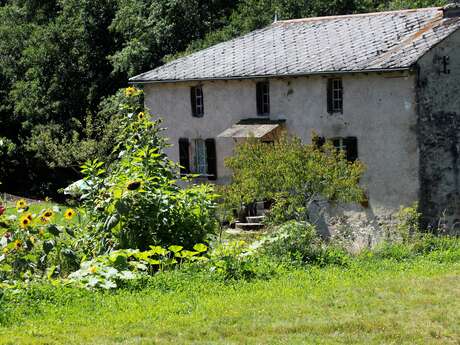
pixel 134 258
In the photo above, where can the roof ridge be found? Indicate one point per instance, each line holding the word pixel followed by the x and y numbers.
pixel 409 39
pixel 306 19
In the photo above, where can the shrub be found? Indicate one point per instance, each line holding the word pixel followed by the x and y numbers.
pixel 135 201
pixel 293 174
pixel 406 227
pixel 235 260
pixel 298 241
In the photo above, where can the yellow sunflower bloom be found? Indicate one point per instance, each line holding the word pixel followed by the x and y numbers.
pixel 130 91
pixel 24 222
pixel 141 116
pixel 47 215
pixel 17 244
pixel 21 204
pixel 69 214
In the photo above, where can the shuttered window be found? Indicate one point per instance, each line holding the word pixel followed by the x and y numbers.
pixel 334 95
pixel 212 158
pixel 203 154
pixel 201 162
pixel 184 156
pixel 349 145
pixel 263 98
pixel 197 101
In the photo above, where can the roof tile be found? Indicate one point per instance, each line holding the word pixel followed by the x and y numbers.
pixel 362 42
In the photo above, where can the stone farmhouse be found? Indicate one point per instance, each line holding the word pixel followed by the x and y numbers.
pixel 384 87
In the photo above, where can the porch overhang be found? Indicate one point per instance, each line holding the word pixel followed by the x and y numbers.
pixel 253 128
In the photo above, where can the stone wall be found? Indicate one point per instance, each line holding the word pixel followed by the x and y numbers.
pixel 438 97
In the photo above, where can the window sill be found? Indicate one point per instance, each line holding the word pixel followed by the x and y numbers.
pixel 197 176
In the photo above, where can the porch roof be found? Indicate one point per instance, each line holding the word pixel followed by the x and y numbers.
pixel 257 128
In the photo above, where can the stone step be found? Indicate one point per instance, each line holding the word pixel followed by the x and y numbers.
pixel 249 226
pixel 255 219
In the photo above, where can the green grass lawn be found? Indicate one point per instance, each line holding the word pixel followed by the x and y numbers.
pixel 371 302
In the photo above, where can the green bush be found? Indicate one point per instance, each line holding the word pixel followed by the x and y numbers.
pixel 406 227
pixel 237 261
pixel 293 174
pixel 298 241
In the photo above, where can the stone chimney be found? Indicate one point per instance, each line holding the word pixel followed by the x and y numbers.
pixel 452 10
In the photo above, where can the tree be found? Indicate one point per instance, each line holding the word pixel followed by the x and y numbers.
pixel 293 174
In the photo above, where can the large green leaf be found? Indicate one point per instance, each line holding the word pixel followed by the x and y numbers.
pixel 200 247
pixel 48 245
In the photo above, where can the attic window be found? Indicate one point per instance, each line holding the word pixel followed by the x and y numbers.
pixel 263 98
pixel 349 145
pixel 197 101
pixel 334 95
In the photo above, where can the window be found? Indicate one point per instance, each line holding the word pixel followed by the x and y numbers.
pixel 184 156
pixel 197 101
pixel 203 153
pixel 349 145
pixel 201 166
pixel 263 98
pixel 334 95
pixel 211 159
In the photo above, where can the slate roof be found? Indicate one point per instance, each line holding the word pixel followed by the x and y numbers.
pixel 351 43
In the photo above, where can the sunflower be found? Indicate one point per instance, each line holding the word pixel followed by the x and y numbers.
pixel 29 216
pixel 24 222
pixel 17 244
pixel 130 91
pixel 141 116
pixel 133 185
pixel 69 214
pixel 21 204
pixel 47 215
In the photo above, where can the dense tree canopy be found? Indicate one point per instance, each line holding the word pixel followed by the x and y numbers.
pixel 59 59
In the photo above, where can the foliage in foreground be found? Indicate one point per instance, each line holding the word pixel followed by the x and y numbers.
pixel 132 201
pixel 135 201
pixel 188 304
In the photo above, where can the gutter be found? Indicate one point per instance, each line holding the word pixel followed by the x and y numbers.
pixel 292 75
